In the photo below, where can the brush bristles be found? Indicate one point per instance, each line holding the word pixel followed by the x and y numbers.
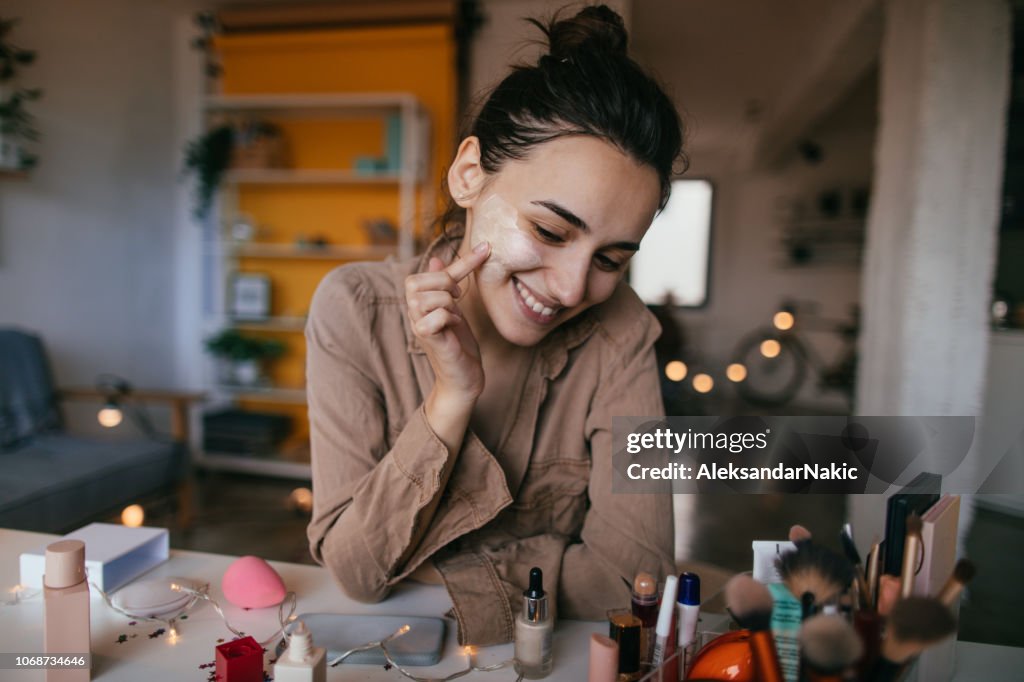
pixel 914 525
pixel 817 569
pixel 749 602
pixel 830 644
pixel 921 619
pixel 964 571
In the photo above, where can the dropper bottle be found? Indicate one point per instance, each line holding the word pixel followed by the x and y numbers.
pixel 534 629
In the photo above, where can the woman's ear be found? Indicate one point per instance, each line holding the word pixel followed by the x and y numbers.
pixel 466 175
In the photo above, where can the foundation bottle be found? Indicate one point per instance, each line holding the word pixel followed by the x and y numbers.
pixel 66 608
pixel 534 630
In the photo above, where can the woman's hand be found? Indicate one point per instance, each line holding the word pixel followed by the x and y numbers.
pixel 432 300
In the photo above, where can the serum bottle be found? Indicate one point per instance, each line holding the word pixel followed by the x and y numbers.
pixel 302 662
pixel 66 608
pixel 534 629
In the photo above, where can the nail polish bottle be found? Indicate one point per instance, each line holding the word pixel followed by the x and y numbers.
pixel 66 608
pixel 534 630
pixel 302 662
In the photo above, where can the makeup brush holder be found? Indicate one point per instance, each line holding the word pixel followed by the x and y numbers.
pixel 667 671
pixel 712 656
pixel 722 656
pixel 869 626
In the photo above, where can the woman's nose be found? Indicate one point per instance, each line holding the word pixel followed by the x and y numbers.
pixel 567 278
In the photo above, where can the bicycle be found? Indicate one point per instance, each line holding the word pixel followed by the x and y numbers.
pixel 777 359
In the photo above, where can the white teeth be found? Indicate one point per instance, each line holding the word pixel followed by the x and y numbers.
pixel 533 303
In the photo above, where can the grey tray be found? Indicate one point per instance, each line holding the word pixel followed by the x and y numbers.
pixel 421 646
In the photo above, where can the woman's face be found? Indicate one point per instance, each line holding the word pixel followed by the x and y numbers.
pixel 562 224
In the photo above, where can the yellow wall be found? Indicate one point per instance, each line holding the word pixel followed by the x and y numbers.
pixel 415 59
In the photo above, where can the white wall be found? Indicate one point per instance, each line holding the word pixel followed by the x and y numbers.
pixel 86 244
pixel 750 274
pixel 504 38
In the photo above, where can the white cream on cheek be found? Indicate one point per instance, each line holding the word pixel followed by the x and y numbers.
pixel 512 250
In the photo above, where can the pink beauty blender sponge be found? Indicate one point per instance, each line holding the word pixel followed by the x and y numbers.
pixel 251 583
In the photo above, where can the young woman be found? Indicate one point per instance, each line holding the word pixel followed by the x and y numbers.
pixel 461 404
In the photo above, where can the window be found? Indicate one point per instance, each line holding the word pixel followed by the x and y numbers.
pixel 674 255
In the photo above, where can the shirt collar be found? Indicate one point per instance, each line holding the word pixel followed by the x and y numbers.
pixel 553 348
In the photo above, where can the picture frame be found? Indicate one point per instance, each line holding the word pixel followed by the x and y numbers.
pixel 249 296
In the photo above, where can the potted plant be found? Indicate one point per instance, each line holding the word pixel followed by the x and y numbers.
pixel 16 123
pixel 249 144
pixel 209 157
pixel 242 356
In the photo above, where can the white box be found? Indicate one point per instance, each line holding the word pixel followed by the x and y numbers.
pixel 114 555
pixel 765 554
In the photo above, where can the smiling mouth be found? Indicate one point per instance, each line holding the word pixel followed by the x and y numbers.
pixel 540 311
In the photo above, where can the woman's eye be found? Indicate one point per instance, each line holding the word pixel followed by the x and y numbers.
pixel 606 263
pixel 547 235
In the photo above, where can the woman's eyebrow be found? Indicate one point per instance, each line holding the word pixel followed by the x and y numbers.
pixel 574 220
pixel 563 213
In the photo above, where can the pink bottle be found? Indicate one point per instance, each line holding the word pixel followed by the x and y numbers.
pixel 66 613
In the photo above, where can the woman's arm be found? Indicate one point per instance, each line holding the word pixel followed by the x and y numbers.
pixel 375 508
pixel 623 534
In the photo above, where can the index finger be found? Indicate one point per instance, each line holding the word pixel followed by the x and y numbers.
pixel 463 265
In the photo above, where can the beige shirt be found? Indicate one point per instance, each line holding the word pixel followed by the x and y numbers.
pixel 543 500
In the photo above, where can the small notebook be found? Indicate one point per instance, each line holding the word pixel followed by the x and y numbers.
pixel 938 537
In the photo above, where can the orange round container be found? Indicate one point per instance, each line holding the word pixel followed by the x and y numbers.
pixel 727 657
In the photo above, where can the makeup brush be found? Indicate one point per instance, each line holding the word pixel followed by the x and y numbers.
pixel 888 593
pixel 750 604
pixel 872 573
pixel 806 605
pixel 798 534
pixel 915 624
pixel 829 646
pixel 911 548
pixel 962 574
pixel 815 569
pixel 850 550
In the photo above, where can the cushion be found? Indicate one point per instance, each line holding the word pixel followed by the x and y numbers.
pixel 55 482
pixel 28 403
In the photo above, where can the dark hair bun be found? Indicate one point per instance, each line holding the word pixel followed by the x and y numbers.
pixel 597 28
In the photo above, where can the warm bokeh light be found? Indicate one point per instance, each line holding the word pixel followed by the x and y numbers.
pixel 109 416
pixel 133 516
pixel 676 370
pixel 770 348
pixel 783 320
pixel 736 372
pixel 702 383
pixel 301 499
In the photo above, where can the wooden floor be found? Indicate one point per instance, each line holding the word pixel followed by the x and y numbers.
pixel 253 515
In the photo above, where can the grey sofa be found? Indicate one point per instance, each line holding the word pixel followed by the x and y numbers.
pixel 53 481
